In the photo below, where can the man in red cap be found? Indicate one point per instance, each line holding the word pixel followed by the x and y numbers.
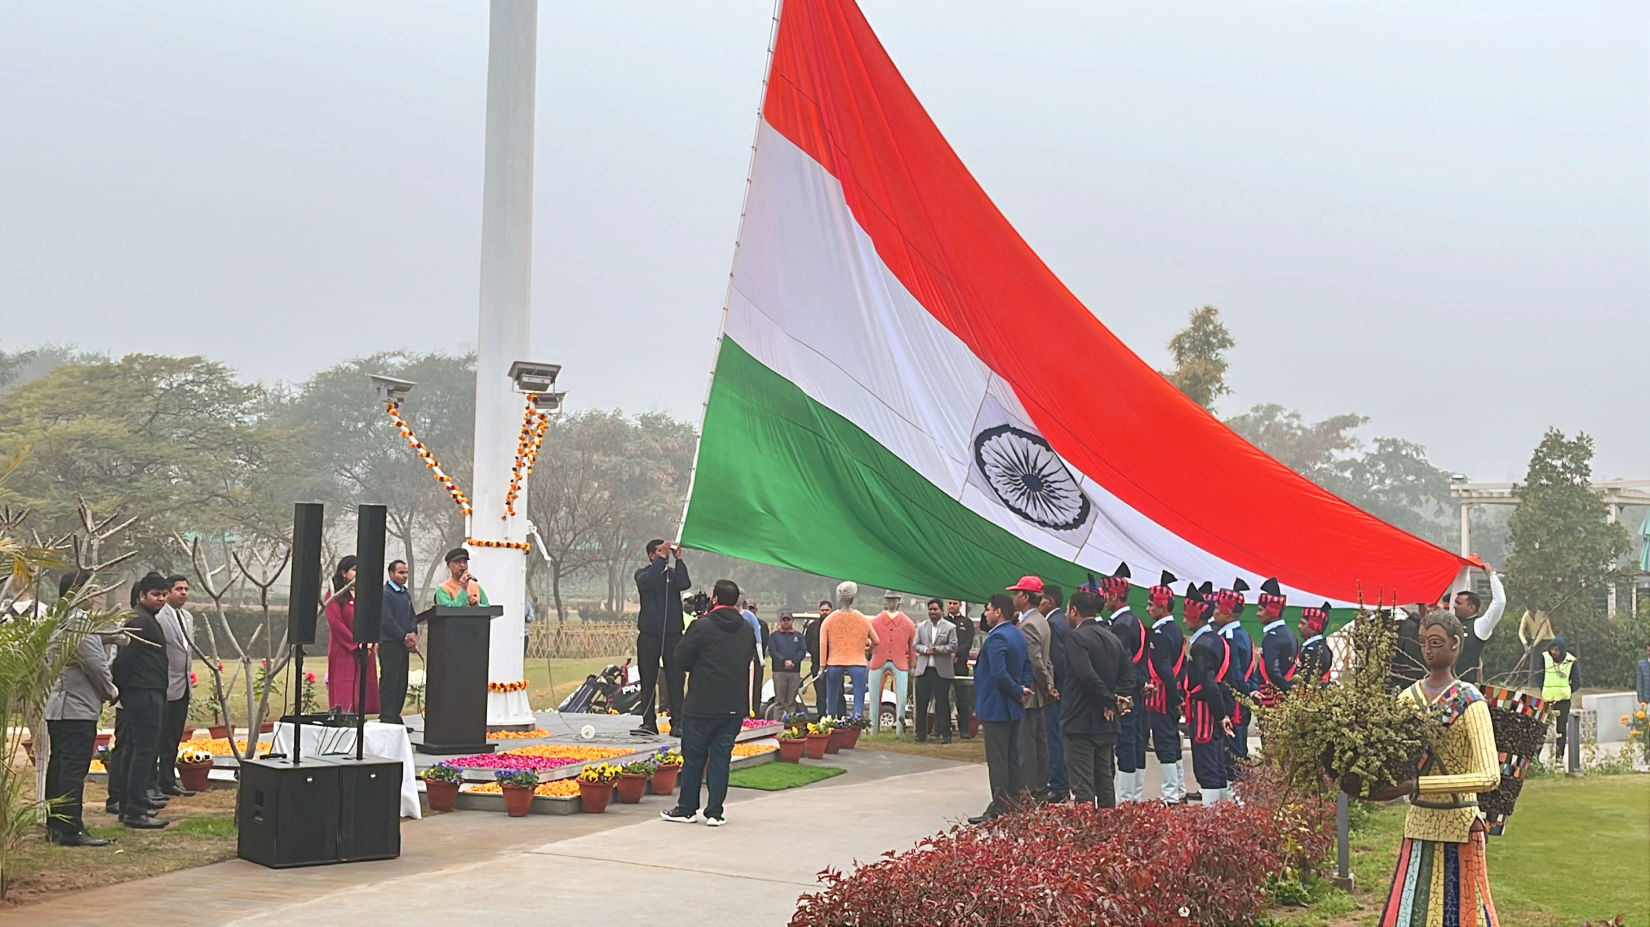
pixel 1316 660
pixel 1167 668
pixel 1028 592
pixel 1278 648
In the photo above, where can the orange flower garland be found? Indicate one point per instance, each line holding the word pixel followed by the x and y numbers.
pixel 533 426
pixel 430 463
pixel 516 686
pixel 511 545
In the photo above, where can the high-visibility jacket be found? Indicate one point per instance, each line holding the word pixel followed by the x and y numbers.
pixel 1555 686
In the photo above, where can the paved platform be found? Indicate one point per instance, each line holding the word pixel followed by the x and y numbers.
pixel 619 868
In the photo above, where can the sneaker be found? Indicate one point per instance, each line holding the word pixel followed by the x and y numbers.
pixel 715 821
pixel 679 816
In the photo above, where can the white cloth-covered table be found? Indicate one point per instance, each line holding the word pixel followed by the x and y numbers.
pixel 389 741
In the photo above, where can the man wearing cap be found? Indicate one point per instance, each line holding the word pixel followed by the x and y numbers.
pixel 1002 683
pixel 1316 660
pixel 1209 704
pixel 460 590
pixel 1278 648
pixel 1166 668
pixel 1241 674
pixel 893 653
pixel 787 648
pixel 1028 593
pixel 1131 728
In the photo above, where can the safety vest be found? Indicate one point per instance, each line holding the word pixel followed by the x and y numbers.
pixel 1556 686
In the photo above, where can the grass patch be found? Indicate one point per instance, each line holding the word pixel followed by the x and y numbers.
pixel 774 777
pixel 1576 850
pixel 206 826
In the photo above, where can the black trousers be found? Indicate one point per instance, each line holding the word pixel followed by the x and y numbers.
pixel 707 754
pixel 965 709
pixel 932 688
pixel 1034 751
pixel 1209 763
pixel 757 672
pixel 1561 714
pixel 145 711
pixel 1002 764
pixel 651 651
pixel 393 658
pixel 117 761
pixel 166 748
pixel 72 746
pixel 1091 759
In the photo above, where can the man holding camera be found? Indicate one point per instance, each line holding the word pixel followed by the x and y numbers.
pixel 659 587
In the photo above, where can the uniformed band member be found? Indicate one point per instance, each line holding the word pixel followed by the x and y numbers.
pixel 1241 674
pixel 1208 703
pixel 1166 665
pixel 1316 660
pixel 1278 648
pixel 1131 728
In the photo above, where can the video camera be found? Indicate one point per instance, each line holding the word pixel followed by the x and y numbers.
pixel 697 604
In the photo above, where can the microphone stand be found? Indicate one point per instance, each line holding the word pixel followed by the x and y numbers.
pixel 360 697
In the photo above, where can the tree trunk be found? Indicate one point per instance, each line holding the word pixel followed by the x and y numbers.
pixel 555 591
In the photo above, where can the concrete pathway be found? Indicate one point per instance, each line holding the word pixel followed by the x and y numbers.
pixel 620 868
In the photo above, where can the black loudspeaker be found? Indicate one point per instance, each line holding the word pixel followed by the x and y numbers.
pixel 287 815
pixel 304 600
pixel 369 791
pixel 369 572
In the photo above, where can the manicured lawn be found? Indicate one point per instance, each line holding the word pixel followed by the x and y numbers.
pixel 775 777
pixel 1576 849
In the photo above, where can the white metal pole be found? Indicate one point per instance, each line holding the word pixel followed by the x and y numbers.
pixel 506 285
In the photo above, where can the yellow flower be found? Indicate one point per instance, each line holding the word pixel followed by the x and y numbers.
pixel 1641 714
pixel 1625 720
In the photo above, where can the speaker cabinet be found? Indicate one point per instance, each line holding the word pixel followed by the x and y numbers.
pixel 369 572
pixel 287 815
pixel 369 792
pixel 305 592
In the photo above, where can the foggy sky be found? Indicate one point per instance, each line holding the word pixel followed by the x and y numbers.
pixel 1434 215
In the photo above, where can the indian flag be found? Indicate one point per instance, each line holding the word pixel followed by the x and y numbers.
pixel 884 408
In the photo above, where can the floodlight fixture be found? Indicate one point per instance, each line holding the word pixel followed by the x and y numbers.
pixel 390 389
pixel 549 403
pixel 531 377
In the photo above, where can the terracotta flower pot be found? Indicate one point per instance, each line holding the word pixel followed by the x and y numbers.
pixel 837 739
pixel 103 740
pixel 192 776
pixel 816 745
pixel 631 787
pixel 221 731
pixel 664 779
pixel 184 736
pixel 441 795
pixel 790 751
pixel 853 739
pixel 594 796
pixel 518 800
pixel 268 727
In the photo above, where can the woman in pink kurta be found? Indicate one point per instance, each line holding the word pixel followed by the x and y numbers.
pixel 341 682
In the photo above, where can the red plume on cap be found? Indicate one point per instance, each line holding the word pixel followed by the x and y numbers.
pixel 1272 598
pixel 1315 619
pixel 1196 606
pixel 1118 582
pixel 1232 599
pixel 1161 594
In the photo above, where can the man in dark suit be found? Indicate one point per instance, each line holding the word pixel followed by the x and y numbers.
pixel 1097 673
pixel 810 634
pixel 659 587
pixel 140 673
pixel 962 693
pixel 1002 683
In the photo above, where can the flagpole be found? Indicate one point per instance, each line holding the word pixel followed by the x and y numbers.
pixel 727 297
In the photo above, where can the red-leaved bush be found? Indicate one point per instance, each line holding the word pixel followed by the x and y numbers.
pixel 1140 865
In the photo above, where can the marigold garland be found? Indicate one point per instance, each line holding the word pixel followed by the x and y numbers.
pixel 522 546
pixel 430 463
pixel 534 424
pixel 516 686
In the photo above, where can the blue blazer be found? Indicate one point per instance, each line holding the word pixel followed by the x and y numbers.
pixel 1000 672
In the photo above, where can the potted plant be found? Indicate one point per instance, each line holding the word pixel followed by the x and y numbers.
pixel 518 786
pixel 818 737
pixel 632 782
pixel 854 726
pixel 193 765
pixel 791 745
pixel 105 757
pixel 667 766
pixel 596 786
pixel 441 786
pixel 834 732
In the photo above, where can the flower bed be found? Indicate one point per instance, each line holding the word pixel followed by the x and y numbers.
pixel 563 788
pixel 570 752
pixel 752 749
pixel 747 724
pixel 511 761
pixel 534 734
pixel 1139 865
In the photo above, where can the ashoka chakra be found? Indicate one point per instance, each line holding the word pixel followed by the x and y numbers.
pixel 1024 473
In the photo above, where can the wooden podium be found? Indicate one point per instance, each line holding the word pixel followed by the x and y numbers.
pixel 455 684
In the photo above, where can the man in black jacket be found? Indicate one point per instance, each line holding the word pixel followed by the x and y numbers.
pixel 963 678
pixel 397 642
pixel 659 587
pixel 811 635
pixel 716 652
pixel 1098 671
pixel 140 673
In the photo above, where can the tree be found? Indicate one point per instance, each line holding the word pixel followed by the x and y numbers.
pixel 1199 352
pixel 1315 450
pixel 1565 553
